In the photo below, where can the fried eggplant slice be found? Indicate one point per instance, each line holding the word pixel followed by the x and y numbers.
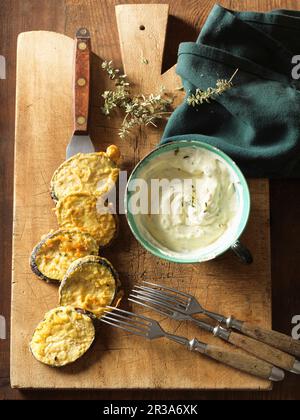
pixel 62 337
pixel 90 284
pixel 93 173
pixel 53 255
pixel 81 211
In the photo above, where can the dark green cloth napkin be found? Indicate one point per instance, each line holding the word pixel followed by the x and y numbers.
pixel 257 122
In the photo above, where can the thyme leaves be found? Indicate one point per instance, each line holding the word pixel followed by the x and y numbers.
pixel 139 110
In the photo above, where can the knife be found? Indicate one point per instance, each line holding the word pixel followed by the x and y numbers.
pixel 81 141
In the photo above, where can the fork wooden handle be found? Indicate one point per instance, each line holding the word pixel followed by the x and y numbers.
pixel 273 338
pixel 242 362
pixel 82 80
pixel 263 351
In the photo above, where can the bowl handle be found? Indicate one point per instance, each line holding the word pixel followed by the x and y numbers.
pixel 242 252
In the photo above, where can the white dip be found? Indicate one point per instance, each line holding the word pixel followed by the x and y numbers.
pixel 191 215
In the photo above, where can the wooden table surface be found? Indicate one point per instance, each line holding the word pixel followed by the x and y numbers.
pixel 187 16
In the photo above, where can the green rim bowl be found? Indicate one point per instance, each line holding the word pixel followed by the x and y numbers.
pixel 203 255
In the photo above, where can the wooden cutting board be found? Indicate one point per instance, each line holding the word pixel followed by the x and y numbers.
pixel 43 128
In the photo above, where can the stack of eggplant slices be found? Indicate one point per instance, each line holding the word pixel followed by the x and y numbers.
pixel 70 257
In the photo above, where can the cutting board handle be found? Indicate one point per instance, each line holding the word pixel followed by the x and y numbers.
pixel 82 80
pixel 142 32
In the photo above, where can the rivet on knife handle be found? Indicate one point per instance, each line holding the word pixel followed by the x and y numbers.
pixel 273 338
pixel 82 80
pixel 242 362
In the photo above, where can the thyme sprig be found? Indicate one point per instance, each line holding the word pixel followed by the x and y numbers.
pixel 201 96
pixel 139 110
pixel 120 96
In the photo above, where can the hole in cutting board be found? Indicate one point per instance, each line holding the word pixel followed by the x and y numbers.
pixel 142 28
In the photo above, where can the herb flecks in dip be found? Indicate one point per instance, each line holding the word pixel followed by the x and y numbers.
pixel 197 201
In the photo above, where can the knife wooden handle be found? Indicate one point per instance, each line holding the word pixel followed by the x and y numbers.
pixel 263 351
pixel 82 80
pixel 273 338
pixel 242 362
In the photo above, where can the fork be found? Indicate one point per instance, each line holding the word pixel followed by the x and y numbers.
pixel 150 329
pixel 181 306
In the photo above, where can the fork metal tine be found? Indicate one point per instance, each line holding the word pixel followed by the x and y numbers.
pixel 180 299
pixel 122 327
pixel 128 324
pixel 115 310
pixel 164 295
pixel 131 324
pixel 168 288
pixel 135 299
pixel 126 318
pixel 159 302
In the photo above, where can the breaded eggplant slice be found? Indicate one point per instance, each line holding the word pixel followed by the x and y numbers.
pixel 93 173
pixel 81 211
pixel 53 255
pixel 62 337
pixel 90 284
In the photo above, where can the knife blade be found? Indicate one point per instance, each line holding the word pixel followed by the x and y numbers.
pixel 80 141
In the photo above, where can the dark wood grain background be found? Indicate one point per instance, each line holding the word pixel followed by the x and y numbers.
pixel 187 16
